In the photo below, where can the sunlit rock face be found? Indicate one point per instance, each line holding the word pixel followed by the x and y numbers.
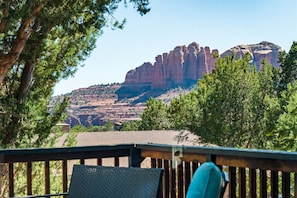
pixel 258 52
pixel 181 66
pixel 184 65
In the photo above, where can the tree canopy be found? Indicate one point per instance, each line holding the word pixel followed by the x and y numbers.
pixel 237 106
pixel 288 64
pixel 155 116
pixel 41 43
pixel 233 101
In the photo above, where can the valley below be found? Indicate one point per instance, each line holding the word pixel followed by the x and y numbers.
pixel 97 104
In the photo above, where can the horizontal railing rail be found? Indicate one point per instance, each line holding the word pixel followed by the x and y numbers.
pixel 252 173
pixel 64 153
pixel 245 158
pixel 15 159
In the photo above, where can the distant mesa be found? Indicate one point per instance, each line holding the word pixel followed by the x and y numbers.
pixel 184 65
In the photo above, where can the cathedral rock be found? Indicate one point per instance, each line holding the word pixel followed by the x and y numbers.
pixel 184 65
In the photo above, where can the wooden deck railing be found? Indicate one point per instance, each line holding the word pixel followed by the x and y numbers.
pixel 252 173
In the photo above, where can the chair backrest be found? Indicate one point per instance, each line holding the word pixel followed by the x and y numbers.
pixel 207 182
pixel 114 182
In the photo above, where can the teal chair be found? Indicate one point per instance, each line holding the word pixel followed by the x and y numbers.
pixel 208 182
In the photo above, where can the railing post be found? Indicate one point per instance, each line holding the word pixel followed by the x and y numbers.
pixel 135 158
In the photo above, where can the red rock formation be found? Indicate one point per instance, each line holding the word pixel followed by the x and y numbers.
pixel 258 52
pixel 159 76
pixel 184 65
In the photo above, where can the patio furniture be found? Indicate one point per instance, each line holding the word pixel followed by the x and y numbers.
pixel 208 182
pixel 114 182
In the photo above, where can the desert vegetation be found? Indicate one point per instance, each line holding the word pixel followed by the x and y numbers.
pixel 235 105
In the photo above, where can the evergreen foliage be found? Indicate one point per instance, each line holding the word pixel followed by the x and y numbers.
pixel 155 116
pixel 288 64
pixel 285 133
pixel 41 43
pixel 183 112
pixel 131 126
pixel 236 106
pixel 108 126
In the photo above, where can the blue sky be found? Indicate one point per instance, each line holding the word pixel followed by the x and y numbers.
pixel 219 24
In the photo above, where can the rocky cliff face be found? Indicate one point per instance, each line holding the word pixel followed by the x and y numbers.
pixel 184 65
pixel 258 52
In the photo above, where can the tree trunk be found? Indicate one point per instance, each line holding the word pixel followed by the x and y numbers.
pixel 26 82
pixel 24 33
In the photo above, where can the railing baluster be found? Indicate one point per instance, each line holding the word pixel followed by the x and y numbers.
pixel 187 176
pixel 47 177
pixel 166 179
pixel 153 163
pixel 180 178
pixel 263 183
pixel 194 166
pixel 274 184
pixel 285 185
pixel 29 178
pixel 242 182
pixel 232 184
pixel 99 161
pixel 159 163
pixel 11 179
pixel 295 184
pixel 64 176
pixel 252 183
pixel 82 161
pixel 116 161
pixel 173 180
